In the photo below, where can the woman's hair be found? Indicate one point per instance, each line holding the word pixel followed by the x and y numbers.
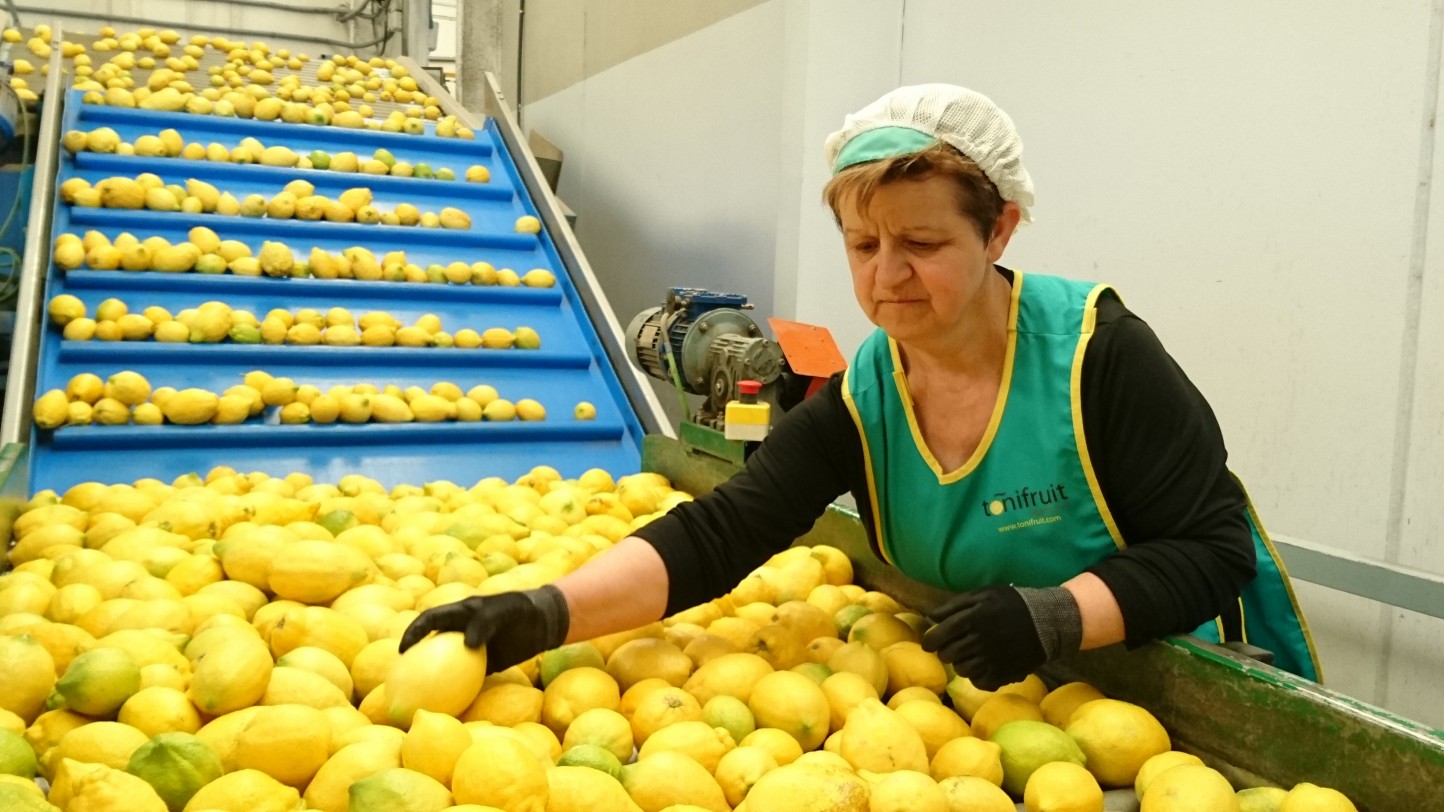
pixel 978 198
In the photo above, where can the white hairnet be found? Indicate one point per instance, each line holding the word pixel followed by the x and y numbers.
pixel 911 118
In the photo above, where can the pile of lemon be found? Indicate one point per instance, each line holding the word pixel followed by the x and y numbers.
pixel 169 143
pixel 248 84
pixel 205 252
pixel 230 643
pixel 127 397
pixel 297 200
pixel 215 322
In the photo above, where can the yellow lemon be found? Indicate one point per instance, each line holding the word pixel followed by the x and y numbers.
pixel 501 772
pixel 246 791
pixel 1262 799
pixel 1117 738
pixel 1059 704
pixel 696 740
pixel 1155 766
pixel 154 711
pixel 879 740
pixel 1189 788
pixel 575 691
pixel 1062 786
pixel 329 790
pixel 782 747
pixel 1307 797
pixel 667 778
pixel 411 684
pixel 287 742
pixel 601 727
pixel 975 795
pixel 809 788
pixel 936 725
pixel 660 708
pixel 904 791
pixel 582 789
pixel 968 756
pixel 399 790
pixel 794 704
pixel 434 744
pixel 740 769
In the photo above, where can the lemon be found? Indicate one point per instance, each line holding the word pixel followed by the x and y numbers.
pixel 526 224
pixel 501 772
pixel 908 666
pixel 904 791
pixel 592 757
pixel 1062 786
pixel 16 757
pixel 329 789
pixel 573 655
pixel 740 769
pixel 433 745
pixel 1027 745
pixel 735 675
pixel 999 711
pixel 295 686
pixel 1155 766
pixel 810 788
pixel 601 727
pixel 975 795
pixel 245 791
pixel 1116 738
pixel 703 744
pixel 668 778
pixel 11 722
pixel 796 705
pixel 411 683
pixel 1262 799
pixel 584 411
pixel 575 691
pixel 661 708
pixel 968 756
pixel 879 740
pixel 65 308
pixel 1307 797
pixel 130 388
pixel 105 788
pixel 317 572
pixel 730 714
pixel 99 681
pixel 231 676
pixel 287 742
pixel 935 724
pixel 863 660
pixel 1059 704
pixel 321 663
pixel 26 796
pixel 176 766
pixel 401 790
pixel 637 660
pixel 108 743
pixel 154 711
pixel 1189 788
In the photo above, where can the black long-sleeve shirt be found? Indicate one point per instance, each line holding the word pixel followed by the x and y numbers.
pixel 1156 448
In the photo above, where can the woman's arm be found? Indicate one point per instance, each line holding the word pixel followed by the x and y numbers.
pixel 1102 617
pixel 622 588
pixel 1162 466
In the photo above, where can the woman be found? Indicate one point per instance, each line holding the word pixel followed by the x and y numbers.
pixel 1022 440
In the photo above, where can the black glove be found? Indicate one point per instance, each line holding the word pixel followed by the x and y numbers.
pixel 514 626
pixel 998 635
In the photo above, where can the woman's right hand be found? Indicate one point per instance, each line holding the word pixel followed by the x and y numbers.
pixel 513 626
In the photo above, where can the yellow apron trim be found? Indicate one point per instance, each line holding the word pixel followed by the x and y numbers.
pixel 1222 638
pixel 1242 622
pixel 900 380
pixel 867 466
pixel 1090 319
pixel 1288 583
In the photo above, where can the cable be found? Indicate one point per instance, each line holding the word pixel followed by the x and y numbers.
pixel 12 280
pixel 14 13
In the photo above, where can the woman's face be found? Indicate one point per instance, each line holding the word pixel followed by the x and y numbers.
pixel 918 265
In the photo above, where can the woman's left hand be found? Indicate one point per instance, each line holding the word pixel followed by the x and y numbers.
pixel 998 635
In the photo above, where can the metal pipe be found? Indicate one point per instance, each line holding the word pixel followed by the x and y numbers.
pixel 638 389
pixel 20 384
pixel 239 32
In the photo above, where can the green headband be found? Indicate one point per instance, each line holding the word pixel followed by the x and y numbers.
pixel 879 143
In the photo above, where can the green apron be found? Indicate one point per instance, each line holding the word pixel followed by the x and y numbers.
pixel 1026 509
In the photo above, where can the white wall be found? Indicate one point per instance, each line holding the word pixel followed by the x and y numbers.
pixel 1257 179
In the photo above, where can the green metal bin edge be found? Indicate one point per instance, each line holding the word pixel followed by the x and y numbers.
pixel 1258 725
